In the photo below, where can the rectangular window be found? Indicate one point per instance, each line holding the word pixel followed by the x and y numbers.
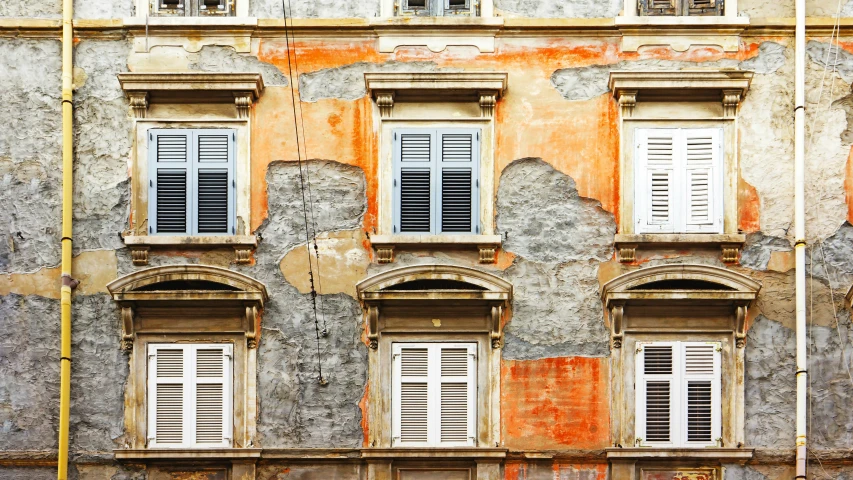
pixel 436 8
pixel 191 185
pixel 678 394
pixel 183 8
pixel 189 395
pixel 681 7
pixel 434 394
pixel 679 180
pixel 436 180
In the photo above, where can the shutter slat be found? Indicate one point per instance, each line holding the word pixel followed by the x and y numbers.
pixel 413 412
pixel 699 359
pixel 170 363
pixel 659 164
pixel 658 411
pixel 455 200
pixel 213 148
pixel 169 412
pixel 171 200
pixel 415 147
pixel 414 362
pixel 209 409
pixel 415 204
pixel 171 148
pixel 699 410
pixel 212 201
pixel 454 412
pixel 657 360
pixel 700 160
pixel 454 362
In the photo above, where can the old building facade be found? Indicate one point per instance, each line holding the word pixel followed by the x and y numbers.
pixel 548 240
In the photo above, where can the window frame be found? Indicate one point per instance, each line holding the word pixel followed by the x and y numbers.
pixel 631 8
pixel 190 379
pixel 153 8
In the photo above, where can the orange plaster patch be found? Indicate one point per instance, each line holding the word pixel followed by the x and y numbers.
pixel 848 186
pixel 555 403
pixel 749 206
pixel 363 406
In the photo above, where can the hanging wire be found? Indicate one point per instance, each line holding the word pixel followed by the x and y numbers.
pixel 309 233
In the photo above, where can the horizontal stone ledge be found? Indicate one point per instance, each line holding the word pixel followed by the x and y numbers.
pixel 710 239
pixel 434 452
pixel 710 454
pixel 142 454
pixel 190 240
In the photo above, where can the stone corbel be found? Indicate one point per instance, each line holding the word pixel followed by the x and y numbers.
pixel 488 253
pixel 385 102
pixel 731 100
pixel 616 325
pixel 385 254
pixel 242 255
pixel 628 253
pixel 495 326
pixel 373 326
pixel 731 252
pixel 127 328
pixel 139 255
pixel 138 103
pixel 487 104
pixel 250 322
pixel 243 101
pixel 740 326
pixel 627 102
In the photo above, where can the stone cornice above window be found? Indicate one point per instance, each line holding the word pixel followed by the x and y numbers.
pixel 728 86
pixel 142 89
pixel 682 32
pixel 483 87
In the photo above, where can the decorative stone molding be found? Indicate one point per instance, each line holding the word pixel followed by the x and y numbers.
pixel 731 100
pixel 386 245
pixel 849 297
pixel 472 288
pixel 682 32
pixel 728 86
pixel 142 89
pixel 729 244
pixel 436 33
pixel 387 88
pixel 627 101
pixel 141 245
pixel 616 312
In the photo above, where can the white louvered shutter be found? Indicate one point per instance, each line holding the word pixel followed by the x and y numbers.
pixel 170 181
pixel 414 180
pixel 700 420
pixel 190 395
pixel 214 185
pixel 656 393
pixel 703 180
pixel 434 394
pixel 458 190
pixel 656 179
pixel 167 394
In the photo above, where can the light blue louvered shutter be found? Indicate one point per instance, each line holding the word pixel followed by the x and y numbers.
pixel 458 180
pixel 414 180
pixel 169 181
pixel 214 188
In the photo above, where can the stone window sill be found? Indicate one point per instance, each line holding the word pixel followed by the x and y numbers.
pixel 710 454
pixel 434 452
pixel 730 244
pixel 384 245
pixel 187 453
pixel 140 245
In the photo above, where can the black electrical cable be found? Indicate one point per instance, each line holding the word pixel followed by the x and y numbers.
pixel 302 187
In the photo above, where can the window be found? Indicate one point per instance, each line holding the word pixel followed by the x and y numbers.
pixel 191 186
pixel 437 8
pixel 434 394
pixel 678 394
pixel 681 7
pixel 436 180
pixel 193 7
pixel 189 395
pixel 679 180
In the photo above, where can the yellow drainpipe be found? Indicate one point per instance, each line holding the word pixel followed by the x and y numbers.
pixel 67 282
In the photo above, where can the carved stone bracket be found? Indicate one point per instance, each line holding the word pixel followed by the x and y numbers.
pixel 250 323
pixel 616 313
pixel 243 101
pixel 127 328
pixel 373 326
pixel 139 255
pixel 385 102
pixel 495 326
pixel 628 253
pixel 740 326
pixel 487 104
pixel 138 103
pixel 385 254
pixel 242 255
pixel 488 253
pixel 627 102
pixel 731 100
pixel 731 252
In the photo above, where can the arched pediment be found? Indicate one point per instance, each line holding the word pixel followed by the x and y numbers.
pixel 176 278
pixel 440 277
pixel 692 277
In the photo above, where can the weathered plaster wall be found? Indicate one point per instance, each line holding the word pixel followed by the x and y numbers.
pixel 315 9
pixel 569 9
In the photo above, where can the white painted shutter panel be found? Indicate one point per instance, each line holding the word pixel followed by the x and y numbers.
pixel 701 393
pixel 414 158
pixel 703 180
pixel 458 394
pixel 215 185
pixel 167 422
pixel 656 393
pixel 655 179
pixel 458 166
pixel 411 394
pixel 213 395
pixel 170 181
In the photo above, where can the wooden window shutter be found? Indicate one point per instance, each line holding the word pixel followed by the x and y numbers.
pixel 457 395
pixel 658 7
pixel 411 394
pixel 167 422
pixel 656 393
pixel 170 181
pixel 459 159
pixel 705 7
pixel 213 395
pixel 655 180
pixel 415 7
pixel 414 179
pixel 701 393
pixel 703 180
pixel 456 7
pixel 215 185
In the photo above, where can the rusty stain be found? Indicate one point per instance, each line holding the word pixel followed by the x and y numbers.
pixel 749 206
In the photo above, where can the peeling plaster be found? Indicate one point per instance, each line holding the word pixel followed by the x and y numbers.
pixel 212 58
pixel 343 258
pixel 347 82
